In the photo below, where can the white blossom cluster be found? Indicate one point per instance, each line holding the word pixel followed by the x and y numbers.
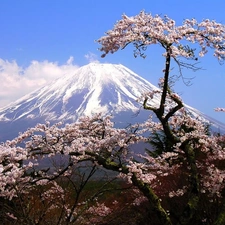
pixel 144 29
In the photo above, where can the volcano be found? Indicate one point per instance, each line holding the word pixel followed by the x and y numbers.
pixel 109 89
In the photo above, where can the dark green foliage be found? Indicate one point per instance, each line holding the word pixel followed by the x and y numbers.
pixel 160 144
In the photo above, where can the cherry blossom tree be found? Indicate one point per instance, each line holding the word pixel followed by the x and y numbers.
pixel 74 154
pixel 188 136
pixel 181 180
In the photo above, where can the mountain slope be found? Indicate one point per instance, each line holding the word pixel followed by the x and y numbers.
pixel 106 88
pixel 93 88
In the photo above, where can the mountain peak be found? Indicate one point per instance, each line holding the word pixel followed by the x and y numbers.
pixel 96 87
pixel 93 88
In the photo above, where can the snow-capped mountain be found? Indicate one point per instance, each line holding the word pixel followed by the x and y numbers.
pixel 93 88
pixel 106 88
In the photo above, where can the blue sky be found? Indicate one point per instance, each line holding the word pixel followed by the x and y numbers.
pixel 44 39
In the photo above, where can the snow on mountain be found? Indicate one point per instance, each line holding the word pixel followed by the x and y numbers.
pixel 106 88
pixel 93 88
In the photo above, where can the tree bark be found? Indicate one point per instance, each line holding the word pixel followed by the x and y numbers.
pixel 153 200
pixel 190 210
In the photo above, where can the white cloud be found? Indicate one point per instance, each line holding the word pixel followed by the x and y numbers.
pixel 70 60
pixel 16 81
pixel 91 57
